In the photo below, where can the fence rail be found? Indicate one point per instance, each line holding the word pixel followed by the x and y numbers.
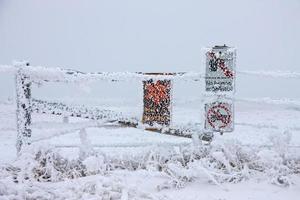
pixel 272 74
pixel 26 75
pixel 39 73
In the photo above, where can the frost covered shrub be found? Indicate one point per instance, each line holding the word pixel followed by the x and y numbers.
pixel 277 162
pixel 94 164
pixel 52 167
pixel 233 162
pixel 153 159
pixel 218 163
pixel 229 161
pixel 45 164
pixel 275 167
pixel 281 142
pixel 293 163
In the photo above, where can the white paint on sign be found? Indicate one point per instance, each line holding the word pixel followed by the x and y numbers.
pixel 220 66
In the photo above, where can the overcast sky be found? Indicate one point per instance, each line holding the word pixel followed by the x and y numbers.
pixel 156 35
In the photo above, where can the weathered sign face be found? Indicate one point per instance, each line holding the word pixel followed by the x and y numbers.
pixel 219 116
pixel 220 66
pixel 157 102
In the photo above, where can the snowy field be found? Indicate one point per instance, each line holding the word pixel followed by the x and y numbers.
pixel 259 160
pixel 113 60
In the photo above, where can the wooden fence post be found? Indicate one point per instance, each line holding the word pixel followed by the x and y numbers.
pixel 24 109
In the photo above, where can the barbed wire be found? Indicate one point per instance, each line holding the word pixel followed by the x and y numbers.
pixel 39 73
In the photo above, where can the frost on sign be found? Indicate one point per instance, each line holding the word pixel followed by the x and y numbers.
pixel 220 66
pixel 219 116
pixel 157 102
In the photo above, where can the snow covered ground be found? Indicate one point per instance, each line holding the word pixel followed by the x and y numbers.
pixel 261 129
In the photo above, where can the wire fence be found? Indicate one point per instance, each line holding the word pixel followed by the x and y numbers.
pixel 44 74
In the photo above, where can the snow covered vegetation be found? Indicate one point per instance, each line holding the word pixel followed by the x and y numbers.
pixel 68 151
pixel 230 162
pixel 90 163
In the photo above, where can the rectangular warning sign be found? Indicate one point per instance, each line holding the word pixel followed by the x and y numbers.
pixel 157 102
pixel 220 66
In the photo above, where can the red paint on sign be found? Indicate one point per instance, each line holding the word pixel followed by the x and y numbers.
pixel 219 113
pixel 157 92
pixel 221 64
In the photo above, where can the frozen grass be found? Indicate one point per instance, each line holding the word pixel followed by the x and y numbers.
pixel 249 163
pixel 218 164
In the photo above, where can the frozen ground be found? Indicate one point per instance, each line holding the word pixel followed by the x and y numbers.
pixel 256 125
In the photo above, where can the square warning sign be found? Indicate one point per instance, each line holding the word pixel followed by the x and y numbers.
pixel 219 116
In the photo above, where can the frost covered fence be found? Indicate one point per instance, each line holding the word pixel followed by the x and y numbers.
pixel 268 126
pixel 45 74
pixel 56 74
pixel 282 101
pixel 272 74
pixel 108 116
pixel 24 109
pixel 26 75
pixel 266 100
pixel 57 108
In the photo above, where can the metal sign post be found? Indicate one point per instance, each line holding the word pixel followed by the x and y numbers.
pixel 219 89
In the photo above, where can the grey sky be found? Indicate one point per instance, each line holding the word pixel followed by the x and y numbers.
pixel 156 35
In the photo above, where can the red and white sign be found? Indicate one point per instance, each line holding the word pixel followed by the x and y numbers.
pixel 220 69
pixel 219 116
